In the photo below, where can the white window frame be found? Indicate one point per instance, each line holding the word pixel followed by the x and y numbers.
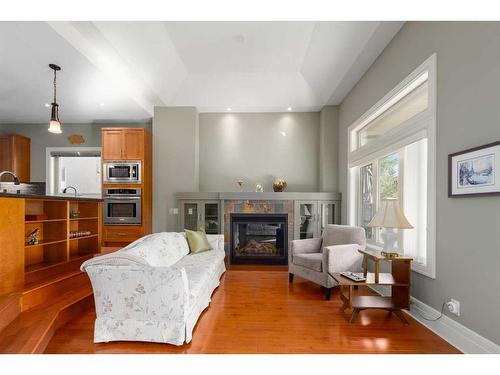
pixel 422 125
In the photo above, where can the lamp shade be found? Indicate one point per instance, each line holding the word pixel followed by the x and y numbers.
pixel 389 215
pixel 55 127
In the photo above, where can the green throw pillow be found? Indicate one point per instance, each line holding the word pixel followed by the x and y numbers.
pixel 197 241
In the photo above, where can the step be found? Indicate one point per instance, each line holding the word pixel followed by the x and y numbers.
pixel 10 308
pixel 32 330
pixel 55 269
pixel 50 288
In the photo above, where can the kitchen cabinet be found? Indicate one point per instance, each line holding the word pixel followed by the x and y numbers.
pixel 313 216
pixel 15 154
pixel 201 215
pixel 123 144
pixel 129 144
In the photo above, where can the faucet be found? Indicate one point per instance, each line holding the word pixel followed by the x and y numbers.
pixel 16 180
pixel 69 187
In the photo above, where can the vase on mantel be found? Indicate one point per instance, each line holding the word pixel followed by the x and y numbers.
pixel 279 185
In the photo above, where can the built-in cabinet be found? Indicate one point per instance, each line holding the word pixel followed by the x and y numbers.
pixel 123 144
pixel 201 215
pixel 311 211
pixel 41 235
pixel 15 154
pixel 311 217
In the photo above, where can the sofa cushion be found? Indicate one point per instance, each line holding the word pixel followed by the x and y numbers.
pixel 312 261
pixel 197 241
pixel 199 270
pixel 159 249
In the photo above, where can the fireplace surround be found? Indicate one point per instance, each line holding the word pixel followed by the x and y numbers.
pixel 258 238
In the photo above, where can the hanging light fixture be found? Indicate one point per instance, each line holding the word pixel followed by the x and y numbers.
pixel 55 124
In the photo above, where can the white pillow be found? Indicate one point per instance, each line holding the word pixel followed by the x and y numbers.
pixel 159 249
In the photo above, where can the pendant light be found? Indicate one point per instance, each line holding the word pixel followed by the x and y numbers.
pixel 55 124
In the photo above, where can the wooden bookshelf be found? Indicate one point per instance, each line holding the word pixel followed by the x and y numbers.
pixel 54 222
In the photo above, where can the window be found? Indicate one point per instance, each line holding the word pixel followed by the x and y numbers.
pixel 392 155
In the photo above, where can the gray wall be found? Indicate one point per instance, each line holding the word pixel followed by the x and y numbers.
pixel 328 148
pixel 175 161
pixel 251 146
pixel 468 93
pixel 41 139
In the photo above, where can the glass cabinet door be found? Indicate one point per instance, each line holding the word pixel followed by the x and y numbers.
pixel 190 216
pixel 211 218
pixel 307 222
pixel 327 215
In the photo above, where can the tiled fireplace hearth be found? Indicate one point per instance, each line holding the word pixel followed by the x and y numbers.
pixel 258 238
pixel 261 210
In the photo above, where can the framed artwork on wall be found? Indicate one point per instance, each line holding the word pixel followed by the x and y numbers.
pixel 475 172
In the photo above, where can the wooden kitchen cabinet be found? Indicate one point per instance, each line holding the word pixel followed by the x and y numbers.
pixel 123 144
pixel 15 156
pixel 133 144
pixel 112 144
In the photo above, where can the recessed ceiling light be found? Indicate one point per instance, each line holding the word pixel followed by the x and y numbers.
pixel 47 105
pixel 228 109
pixel 239 38
pixel 289 109
pixel 101 104
pixel 283 134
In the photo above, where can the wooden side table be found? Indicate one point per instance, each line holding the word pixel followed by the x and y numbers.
pixel 398 280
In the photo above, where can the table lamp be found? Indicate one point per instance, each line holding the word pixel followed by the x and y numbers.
pixel 389 216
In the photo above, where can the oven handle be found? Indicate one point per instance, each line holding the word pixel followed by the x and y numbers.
pixel 120 198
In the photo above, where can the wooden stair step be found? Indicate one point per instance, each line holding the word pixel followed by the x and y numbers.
pixel 55 270
pixel 32 330
pixel 49 288
pixel 10 308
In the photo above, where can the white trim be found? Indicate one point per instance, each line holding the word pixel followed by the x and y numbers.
pixel 421 125
pixel 458 335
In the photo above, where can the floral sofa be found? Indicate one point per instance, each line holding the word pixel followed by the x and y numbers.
pixel 153 289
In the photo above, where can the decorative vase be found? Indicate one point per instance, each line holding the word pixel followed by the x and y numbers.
pixel 279 185
pixel 240 184
pixel 259 188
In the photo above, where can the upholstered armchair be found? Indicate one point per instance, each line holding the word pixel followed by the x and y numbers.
pixel 314 259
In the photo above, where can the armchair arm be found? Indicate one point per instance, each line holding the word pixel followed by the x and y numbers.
pixel 339 258
pixel 310 245
pixel 139 292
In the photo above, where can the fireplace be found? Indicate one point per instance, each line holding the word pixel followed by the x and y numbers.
pixel 258 238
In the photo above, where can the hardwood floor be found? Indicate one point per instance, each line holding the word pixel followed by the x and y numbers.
pixel 257 311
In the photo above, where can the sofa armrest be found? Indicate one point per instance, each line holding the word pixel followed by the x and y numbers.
pixel 217 242
pixel 139 292
pixel 340 258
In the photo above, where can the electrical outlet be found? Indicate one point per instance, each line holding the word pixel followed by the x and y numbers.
pixel 453 306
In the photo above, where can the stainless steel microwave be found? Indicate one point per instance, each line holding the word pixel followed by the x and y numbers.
pixel 122 172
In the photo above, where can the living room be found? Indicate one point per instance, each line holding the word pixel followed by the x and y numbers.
pixel 249 186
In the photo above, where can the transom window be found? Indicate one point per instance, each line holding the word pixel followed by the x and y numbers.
pixel 392 155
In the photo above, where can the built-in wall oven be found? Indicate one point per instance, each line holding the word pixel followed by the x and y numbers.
pixel 122 206
pixel 122 172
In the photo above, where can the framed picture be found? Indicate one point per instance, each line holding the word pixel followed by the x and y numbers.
pixel 475 171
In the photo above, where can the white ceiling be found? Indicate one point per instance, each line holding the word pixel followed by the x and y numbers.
pixel 118 71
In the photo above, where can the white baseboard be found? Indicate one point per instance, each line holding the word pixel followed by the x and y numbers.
pixel 458 335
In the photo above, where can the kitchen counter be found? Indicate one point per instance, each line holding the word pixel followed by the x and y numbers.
pixel 53 197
